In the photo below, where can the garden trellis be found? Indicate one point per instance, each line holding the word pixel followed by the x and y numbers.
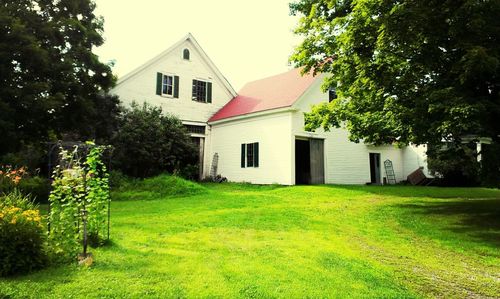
pixel 80 187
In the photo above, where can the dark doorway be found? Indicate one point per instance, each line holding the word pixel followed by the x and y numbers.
pixel 309 162
pixel 375 168
pixel 302 162
pixel 200 145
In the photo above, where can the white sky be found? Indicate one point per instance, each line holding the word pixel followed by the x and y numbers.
pixel 247 40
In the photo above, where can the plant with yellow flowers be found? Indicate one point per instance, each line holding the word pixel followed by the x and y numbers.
pixel 22 235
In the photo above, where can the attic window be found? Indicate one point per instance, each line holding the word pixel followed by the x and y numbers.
pixel 185 54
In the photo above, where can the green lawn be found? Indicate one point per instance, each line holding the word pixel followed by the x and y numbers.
pixel 242 241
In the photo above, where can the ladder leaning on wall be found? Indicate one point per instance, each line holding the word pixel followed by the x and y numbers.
pixel 215 162
pixel 389 172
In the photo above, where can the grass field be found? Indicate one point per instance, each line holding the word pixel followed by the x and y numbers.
pixel 243 241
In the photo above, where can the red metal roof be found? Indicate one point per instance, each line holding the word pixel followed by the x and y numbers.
pixel 269 93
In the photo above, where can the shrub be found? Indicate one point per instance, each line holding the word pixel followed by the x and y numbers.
pixel 12 178
pixel 118 179
pixel 29 156
pixel 455 164
pixel 22 235
pixel 162 186
pixel 37 187
pixel 189 172
pixel 167 185
pixel 148 143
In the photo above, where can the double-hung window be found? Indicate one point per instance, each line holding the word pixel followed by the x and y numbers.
pixel 250 155
pixel 167 85
pixel 202 91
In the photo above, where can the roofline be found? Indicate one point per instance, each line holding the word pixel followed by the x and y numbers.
pixel 253 114
pixel 319 78
pixel 204 56
pixel 212 65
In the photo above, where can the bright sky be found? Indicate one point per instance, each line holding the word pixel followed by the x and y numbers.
pixel 247 40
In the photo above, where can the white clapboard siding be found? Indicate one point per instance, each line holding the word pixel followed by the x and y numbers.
pixel 140 86
pixel 272 132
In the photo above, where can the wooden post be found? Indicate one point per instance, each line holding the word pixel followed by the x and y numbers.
pixel 84 216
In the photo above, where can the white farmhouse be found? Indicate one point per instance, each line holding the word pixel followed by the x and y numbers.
pixel 258 134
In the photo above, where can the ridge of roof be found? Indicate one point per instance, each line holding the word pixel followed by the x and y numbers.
pixel 277 91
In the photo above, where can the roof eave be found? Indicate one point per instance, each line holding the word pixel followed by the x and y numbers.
pixel 253 114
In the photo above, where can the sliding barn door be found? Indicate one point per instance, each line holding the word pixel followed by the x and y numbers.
pixel 317 161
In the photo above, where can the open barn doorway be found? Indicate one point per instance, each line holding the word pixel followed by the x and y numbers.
pixel 375 169
pixel 309 161
pixel 200 145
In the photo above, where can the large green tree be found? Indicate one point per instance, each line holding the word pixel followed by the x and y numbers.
pixel 405 71
pixel 51 83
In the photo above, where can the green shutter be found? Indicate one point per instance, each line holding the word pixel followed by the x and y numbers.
pixel 242 155
pixel 209 92
pixel 159 79
pixel 256 154
pixel 176 87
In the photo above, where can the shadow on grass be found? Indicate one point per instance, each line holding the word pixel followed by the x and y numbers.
pixel 478 218
pixel 421 191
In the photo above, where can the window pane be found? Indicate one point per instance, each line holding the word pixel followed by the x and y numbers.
pixel 168 85
pixel 199 91
pixel 250 155
pixel 195 129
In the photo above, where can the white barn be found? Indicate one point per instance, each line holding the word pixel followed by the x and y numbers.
pixel 258 133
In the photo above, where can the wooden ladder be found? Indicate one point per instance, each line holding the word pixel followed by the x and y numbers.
pixel 389 172
pixel 215 162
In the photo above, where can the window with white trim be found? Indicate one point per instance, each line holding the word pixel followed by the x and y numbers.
pixel 250 155
pixel 168 85
pixel 185 54
pixel 202 91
